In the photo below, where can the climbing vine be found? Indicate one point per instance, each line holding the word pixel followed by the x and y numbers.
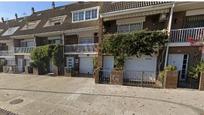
pixel 122 45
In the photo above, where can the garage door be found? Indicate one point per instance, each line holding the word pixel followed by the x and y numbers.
pixel 144 66
pixel 86 65
pixel 108 63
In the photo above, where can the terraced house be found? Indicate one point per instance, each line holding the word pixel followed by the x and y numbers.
pixel 75 26
pixel 80 28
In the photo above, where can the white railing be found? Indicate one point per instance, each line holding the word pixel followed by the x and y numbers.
pixel 187 35
pixel 23 49
pixel 81 48
pixel 6 53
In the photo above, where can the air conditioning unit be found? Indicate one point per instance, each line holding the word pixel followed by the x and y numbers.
pixel 163 17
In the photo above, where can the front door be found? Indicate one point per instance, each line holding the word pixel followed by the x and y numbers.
pixel 20 64
pixel 70 63
pixel 181 63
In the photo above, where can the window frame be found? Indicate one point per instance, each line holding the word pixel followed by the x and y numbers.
pixel 129 26
pixel 53 20
pixel 84 10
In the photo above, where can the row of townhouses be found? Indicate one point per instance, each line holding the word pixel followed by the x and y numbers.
pixel 80 27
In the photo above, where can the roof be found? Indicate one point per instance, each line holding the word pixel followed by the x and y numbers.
pixel 66 10
pixel 45 15
pixel 117 6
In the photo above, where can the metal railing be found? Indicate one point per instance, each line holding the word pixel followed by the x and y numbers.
pixel 104 76
pixel 81 48
pixel 23 49
pixel 139 78
pixel 6 53
pixel 187 34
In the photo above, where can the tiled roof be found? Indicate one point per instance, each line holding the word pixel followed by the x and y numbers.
pixel 66 10
pixel 116 6
pixel 46 14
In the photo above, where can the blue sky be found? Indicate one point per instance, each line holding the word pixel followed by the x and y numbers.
pixel 8 9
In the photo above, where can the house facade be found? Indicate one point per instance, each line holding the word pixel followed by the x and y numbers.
pixel 74 26
pixel 80 27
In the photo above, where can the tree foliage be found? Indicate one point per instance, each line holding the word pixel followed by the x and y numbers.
pixel 42 55
pixel 137 44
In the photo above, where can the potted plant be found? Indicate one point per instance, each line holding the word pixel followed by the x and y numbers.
pixel 169 77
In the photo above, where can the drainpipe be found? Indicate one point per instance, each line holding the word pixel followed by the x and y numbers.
pixel 168 31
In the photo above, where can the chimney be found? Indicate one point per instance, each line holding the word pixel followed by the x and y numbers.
pixel 53 5
pixel 16 15
pixel 33 10
pixel 2 19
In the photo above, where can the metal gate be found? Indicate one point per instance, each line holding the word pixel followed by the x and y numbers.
pixel 140 78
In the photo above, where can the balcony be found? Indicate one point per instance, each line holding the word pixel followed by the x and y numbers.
pixel 90 48
pixel 6 53
pixel 23 50
pixel 187 35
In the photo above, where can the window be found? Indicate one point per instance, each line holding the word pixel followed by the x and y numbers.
pixel 86 40
pixel 27 43
pixel 130 27
pixel 31 25
pixel 55 40
pixel 55 21
pixel 10 31
pixel 85 15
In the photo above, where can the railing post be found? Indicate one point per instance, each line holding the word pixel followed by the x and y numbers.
pixel 142 77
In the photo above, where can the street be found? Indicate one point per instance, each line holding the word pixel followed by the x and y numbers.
pixel 43 95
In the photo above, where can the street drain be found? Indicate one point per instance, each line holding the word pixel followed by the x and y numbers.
pixel 16 101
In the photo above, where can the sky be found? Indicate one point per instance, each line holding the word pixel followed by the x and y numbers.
pixel 8 9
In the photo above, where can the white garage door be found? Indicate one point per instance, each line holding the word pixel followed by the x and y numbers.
pixel 108 63
pixel 144 66
pixel 86 65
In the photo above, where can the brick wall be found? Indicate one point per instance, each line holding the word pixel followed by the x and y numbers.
pixel 178 20
pixel 71 39
pixel 194 53
pixel 152 23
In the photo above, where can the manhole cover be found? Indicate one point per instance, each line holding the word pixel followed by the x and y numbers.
pixel 16 101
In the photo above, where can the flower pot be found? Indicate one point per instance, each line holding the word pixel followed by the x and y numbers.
pixel 171 79
pixel 116 77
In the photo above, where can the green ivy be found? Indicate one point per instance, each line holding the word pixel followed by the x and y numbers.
pixel 122 45
pixel 42 55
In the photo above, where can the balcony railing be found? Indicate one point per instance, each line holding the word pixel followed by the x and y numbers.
pixel 187 35
pixel 81 48
pixel 23 49
pixel 6 53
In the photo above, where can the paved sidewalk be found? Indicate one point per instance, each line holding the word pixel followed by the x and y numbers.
pixel 43 95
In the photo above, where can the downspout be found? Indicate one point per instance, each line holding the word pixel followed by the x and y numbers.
pixel 168 32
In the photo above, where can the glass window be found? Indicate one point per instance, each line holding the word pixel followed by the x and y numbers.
pixel 94 13
pixel 123 28
pixel 81 16
pixel 10 31
pixel 85 14
pixel 88 14
pixel 130 27
pixel 136 27
pixel 75 16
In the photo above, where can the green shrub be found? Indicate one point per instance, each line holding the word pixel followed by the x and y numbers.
pixel 42 56
pixel 194 71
